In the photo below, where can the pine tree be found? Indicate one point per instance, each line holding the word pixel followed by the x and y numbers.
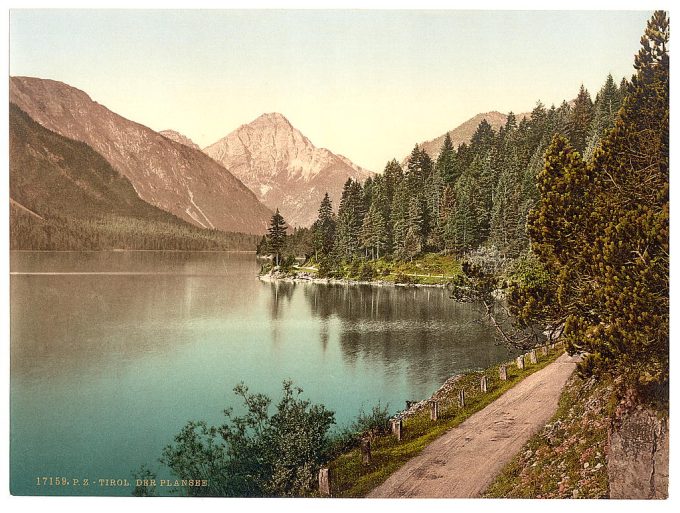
pixel 276 236
pixel 350 219
pixel 416 218
pixel 506 211
pixel 605 109
pixel 510 123
pixel 323 230
pixel 483 138
pixel 394 175
pixel 537 125
pixel 446 161
pixel 263 246
pixel 485 182
pixel 464 158
pixel 367 235
pixel 374 231
pixel 431 205
pixel 580 119
pixel 466 223
pixel 400 205
pixel 412 244
pixel 447 218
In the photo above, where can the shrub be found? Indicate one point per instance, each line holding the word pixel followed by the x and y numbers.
pixel 257 454
pixel 366 271
pixel 372 424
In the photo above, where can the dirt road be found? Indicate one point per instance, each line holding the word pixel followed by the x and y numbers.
pixel 464 461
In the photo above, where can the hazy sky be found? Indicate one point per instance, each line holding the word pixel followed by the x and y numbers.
pixel 367 84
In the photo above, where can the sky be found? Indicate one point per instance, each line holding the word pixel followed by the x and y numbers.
pixel 363 83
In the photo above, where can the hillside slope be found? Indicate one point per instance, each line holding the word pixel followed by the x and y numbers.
pixel 64 195
pixel 167 174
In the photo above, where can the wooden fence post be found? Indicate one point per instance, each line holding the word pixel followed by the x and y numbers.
pixel 325 482
pixel 434 410
pixel 520 362
pixel 544 350
pixel 461 398
pixel 532 356
pixel 483 384
pixel 396 428
pixel 503 372
pixel 366 451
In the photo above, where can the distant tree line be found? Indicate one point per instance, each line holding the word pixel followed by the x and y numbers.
pixel 54 232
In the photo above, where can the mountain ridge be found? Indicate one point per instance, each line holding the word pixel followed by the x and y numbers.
pixel 463 133
pixel 179 137
pixel 167 174
pixel 64 195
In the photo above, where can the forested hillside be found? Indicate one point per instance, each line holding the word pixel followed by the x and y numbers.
pixel 478 194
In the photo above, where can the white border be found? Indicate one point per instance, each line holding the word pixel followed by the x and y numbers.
pixel 89 504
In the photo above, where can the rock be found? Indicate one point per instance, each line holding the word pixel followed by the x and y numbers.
pixel 637 463
pixel 576 493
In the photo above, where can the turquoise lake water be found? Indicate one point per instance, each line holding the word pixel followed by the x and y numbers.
pixel 113 352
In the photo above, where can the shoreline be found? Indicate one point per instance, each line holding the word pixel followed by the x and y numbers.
pixel 131 251
pixel 306 278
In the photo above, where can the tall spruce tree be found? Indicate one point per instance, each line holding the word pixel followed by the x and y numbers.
pixel 466 229
pixel 350 219
pixel 400 205
pixel 446 161
pixel 276 236
pixel 323 229
pixel 605 109
pixel 580 118
pixel 483 138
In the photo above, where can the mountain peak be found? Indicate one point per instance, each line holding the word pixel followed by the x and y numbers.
pixel 270 118
pixel 275 116
pixel 282 166
pixel 174 135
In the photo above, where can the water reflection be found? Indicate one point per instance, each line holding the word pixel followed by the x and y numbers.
pixel 420 329
pixel 65 322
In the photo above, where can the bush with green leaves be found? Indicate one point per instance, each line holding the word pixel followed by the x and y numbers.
pixel 374 422
pixel 287 263
pixel 256 454
pixel 366 272
pixel 369 424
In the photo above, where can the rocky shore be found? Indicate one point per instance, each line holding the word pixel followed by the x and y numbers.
pixel 304 277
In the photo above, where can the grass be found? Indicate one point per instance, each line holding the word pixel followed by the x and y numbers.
pixel 352 478
pixel 428 269
pixel 567 459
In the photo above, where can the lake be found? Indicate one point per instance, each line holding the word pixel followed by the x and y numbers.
pixel 113 352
